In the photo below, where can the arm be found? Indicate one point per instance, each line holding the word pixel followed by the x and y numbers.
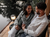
pixel 38 31
pixel 19 16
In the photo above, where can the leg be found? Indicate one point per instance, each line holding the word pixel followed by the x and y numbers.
pixel 12 32
pixel 29 36
pixel 23 34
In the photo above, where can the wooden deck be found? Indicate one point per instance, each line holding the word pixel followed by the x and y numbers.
pixel 5 31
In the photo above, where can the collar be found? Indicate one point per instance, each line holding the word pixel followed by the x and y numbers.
pixel 41 16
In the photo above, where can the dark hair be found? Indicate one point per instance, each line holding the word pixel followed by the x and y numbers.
pixel 25 12
pixel 41 5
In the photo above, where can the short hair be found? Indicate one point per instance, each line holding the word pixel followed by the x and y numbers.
pixel 41 5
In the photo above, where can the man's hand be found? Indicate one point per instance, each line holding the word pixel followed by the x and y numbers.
pixel 23 26
pixel 17 27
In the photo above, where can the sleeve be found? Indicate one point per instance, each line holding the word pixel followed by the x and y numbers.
pixel 38 31
pixel 17 19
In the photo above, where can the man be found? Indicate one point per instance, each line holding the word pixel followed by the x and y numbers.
pixel 38 23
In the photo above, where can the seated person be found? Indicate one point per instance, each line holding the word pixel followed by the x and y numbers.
pixel 38 23
pixel 24 17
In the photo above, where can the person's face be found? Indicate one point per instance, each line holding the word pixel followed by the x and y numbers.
pixel 36 9
pixel 39 11
pixel 29 9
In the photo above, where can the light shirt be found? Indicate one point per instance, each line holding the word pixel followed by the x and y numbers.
pixel 37 25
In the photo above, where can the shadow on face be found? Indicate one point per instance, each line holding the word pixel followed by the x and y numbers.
pixel 29 9
pixel 39 11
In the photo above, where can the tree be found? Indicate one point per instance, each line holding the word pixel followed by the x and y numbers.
pixel 11 7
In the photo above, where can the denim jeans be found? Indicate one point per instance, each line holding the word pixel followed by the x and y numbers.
pixel 25 35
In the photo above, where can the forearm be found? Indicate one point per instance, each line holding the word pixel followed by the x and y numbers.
pixel 38 31
pixel 18 18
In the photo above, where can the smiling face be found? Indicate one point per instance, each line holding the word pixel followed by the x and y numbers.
pixel 29 9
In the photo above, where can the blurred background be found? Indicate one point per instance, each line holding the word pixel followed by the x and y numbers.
pixel 10 9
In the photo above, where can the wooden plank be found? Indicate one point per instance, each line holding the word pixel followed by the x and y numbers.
pixel 49 25
pixel 5 31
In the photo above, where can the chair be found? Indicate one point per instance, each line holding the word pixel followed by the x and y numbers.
pixel 43 34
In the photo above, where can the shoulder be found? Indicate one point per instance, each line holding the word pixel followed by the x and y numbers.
pixel 21 12
pixel 45 20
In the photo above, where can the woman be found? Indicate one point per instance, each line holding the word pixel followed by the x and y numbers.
pixel 23 18
pixel 38 26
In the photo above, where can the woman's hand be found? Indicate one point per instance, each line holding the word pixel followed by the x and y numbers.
pixel 17 27
pixel 23 26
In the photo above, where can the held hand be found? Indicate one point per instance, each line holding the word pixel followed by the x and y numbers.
pixel 17 27
pixel 23 26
